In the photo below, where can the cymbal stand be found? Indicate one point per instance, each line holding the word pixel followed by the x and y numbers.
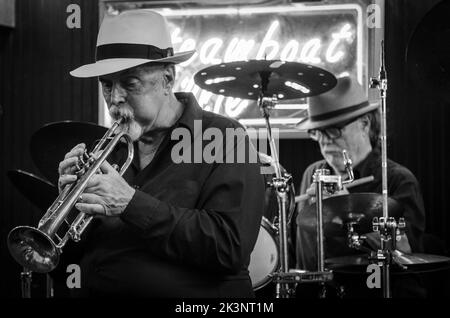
pixel 49 292
pixel 281 185
pixel 387 226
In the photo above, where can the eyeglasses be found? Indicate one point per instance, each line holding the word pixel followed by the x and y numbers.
pixel 332 132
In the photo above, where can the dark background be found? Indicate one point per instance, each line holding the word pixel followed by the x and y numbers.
pixel 36 88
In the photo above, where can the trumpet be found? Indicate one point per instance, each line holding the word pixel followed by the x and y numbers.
pixel 39 249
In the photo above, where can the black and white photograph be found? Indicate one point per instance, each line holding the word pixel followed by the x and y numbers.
pixel 225 156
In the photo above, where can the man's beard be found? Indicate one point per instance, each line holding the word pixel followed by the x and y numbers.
pixel 129 125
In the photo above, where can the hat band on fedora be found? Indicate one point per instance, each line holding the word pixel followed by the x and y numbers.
pixel 131 51
pixel 339 112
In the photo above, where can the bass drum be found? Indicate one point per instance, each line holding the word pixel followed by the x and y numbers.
pixel 264 259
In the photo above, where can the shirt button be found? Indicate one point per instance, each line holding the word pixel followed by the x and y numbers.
pixel 136 186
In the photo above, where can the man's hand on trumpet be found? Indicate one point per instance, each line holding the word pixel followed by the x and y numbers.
pixel 107 193
pixel 69 166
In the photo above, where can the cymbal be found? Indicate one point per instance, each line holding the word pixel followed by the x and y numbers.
pixel 50 143
pixel 339 210
pixel 38 191
pixel 246 79
pixel 414 261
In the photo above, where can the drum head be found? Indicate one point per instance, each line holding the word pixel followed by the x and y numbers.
pixel 264 258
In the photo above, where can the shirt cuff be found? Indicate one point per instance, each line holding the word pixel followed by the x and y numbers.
pixel 140 210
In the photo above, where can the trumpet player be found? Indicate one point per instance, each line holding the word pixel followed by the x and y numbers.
pixel 161 229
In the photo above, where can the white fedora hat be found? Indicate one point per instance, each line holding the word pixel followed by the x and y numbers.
pixel 344 102
pixel 130 39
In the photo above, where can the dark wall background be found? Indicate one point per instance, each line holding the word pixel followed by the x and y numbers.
pixel 35 89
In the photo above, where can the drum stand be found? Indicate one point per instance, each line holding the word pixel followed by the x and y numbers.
pixel 286 280
pixel 386 226
pixel 281 185
pixel 330 183
pixel 25 284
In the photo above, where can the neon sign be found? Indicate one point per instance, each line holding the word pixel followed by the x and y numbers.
pixel 330 36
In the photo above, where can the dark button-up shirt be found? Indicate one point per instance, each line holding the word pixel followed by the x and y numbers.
pixel 402 186
pixel 189 229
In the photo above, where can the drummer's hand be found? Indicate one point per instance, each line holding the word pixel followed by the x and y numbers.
pixel 106 194
pixel 311 191
pixel 67 167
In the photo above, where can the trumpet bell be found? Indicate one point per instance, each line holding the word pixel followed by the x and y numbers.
pixel 33 249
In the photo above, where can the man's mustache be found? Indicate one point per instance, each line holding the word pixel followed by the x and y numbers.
pixel 124 113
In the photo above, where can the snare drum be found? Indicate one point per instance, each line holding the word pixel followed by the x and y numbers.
pixel 264 259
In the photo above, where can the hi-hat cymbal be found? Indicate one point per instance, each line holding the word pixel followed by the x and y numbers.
pixel 414 261
pixel 50 143
pixel 39 191
pixel 246 79
pixel 339 210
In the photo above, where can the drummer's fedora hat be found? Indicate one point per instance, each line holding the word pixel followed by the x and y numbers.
pixel 130 39
pixel 344 102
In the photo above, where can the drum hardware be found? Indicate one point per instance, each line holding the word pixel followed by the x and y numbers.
pixel 355 183
pixel 390 232
pixel 26 277
pixel 411 263
pixel 25 282
pixel 267 81
pixel 281 185
pixel 302 276
pixel 49 286
pixel 354 240
pixel 332 184
pixel 342 209
pixel 386 226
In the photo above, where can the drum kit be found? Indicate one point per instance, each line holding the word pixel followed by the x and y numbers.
pixel 349 216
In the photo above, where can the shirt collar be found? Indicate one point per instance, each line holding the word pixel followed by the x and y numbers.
pixel 368 164
pixel 192 111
